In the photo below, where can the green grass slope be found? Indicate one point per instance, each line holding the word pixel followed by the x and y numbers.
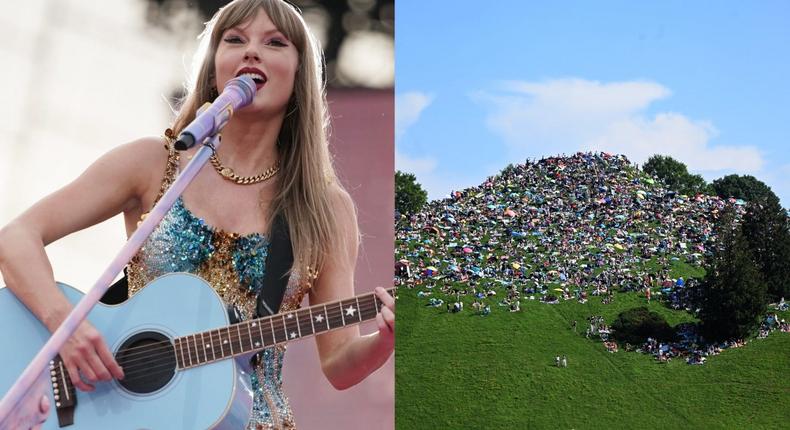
pixel 465 371
pixel 462 371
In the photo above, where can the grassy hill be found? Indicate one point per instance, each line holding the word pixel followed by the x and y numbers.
pixel 467 371
pixel 578 223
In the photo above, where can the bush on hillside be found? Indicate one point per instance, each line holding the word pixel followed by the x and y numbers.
pixel 636 325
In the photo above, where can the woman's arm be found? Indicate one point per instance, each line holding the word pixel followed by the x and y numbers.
pixel 33 409
pixel 114 183
pixel 347 357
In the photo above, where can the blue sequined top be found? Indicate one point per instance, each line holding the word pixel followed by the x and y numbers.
pixel 234 265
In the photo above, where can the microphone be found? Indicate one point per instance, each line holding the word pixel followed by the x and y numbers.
pixel 211 117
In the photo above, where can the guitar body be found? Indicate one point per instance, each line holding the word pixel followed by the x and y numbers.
pixel 215 395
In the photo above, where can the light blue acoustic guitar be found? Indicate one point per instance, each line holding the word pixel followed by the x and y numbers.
pixel 185 366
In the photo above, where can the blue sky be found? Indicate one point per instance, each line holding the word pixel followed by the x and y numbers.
pixel 480 87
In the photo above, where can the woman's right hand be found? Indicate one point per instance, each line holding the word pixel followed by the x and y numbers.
pixel 86 353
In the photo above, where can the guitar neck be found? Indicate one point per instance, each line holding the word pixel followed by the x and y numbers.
pixel 256 334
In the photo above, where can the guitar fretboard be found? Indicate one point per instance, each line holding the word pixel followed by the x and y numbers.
pixel 254 335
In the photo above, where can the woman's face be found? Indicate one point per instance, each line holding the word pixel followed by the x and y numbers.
pixel 257 48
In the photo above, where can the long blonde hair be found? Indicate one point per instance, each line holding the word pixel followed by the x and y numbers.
pixel 306 167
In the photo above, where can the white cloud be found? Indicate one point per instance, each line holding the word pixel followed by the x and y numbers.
pixel 568 115
pixel 424 168
pixel 408 108
pixel 437 184
pixel 590 97
pixel 675 135
pixel 409 164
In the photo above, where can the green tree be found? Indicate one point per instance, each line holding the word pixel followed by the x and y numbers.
pixel 675 175
pixel 733 292
pixel 409 195
pixel 744 187
pixel 765 226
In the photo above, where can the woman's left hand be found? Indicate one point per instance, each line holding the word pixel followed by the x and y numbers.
pixel 385 319
pixel 32 410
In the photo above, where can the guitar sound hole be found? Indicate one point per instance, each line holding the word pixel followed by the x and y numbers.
pixel 148 360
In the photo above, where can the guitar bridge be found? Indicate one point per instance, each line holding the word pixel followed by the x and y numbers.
pixel 63 391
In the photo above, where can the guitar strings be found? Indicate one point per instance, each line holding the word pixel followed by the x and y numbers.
pixel 165 353
pixel 144 349
pixel 161 354
pixel 157 367
pixel 167 365
pixel 278 316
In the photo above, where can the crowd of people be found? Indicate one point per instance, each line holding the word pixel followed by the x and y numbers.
pixel 773 322
pixel 562 228
pixel 559 228
pixel 688 345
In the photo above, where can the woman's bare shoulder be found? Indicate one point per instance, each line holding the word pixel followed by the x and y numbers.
pixel 144 160
pixel 112 184
pixel 145 151
pixel 153 155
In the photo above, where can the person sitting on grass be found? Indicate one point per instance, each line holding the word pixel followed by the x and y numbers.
pixel 434 302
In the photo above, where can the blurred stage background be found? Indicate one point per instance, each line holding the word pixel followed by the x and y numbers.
pixel 80 78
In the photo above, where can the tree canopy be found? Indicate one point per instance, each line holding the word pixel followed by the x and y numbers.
pixel 744 187
pixel 409 195
pixel 765 226
pixel 675 175
pixel 733 292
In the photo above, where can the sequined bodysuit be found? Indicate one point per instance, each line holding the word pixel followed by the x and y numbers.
pixel 234 265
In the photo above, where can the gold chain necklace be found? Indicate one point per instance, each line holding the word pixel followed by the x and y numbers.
pixel 229 174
